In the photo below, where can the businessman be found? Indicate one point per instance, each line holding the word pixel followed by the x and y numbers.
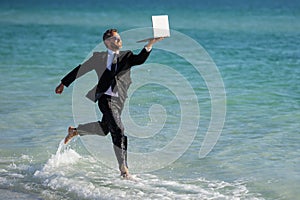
pixel 113 70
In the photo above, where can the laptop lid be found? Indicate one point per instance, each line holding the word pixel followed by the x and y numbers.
pixel 160 24
pixel 160 27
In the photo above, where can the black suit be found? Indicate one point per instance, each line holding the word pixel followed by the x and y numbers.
pixel 111 107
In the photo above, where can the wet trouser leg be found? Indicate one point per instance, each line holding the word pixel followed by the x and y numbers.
pixel 93 128
pixel 111 108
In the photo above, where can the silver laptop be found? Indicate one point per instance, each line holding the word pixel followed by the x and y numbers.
pixel 160 26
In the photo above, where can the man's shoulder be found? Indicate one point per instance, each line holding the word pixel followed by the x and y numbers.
pixel 99 53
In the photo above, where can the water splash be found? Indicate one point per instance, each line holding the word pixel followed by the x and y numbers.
pixel 67 174
pixel 63 157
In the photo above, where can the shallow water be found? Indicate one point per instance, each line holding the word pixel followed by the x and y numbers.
pixel 255 47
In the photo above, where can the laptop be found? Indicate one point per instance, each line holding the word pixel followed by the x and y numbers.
pixel 160 26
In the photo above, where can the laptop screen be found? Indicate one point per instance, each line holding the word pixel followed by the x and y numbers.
pixel 160 25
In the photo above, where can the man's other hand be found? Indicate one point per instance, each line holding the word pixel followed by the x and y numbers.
pixel 59 89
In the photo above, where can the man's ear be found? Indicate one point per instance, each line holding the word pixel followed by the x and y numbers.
pixel 106 42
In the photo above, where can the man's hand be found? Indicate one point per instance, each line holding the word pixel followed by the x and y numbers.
pixel 154 40
pixel 59 89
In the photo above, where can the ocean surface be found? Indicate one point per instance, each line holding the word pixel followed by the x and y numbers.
pixel 249 60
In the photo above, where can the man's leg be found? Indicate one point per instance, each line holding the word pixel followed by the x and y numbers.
pixel 110 107
pixel 93 128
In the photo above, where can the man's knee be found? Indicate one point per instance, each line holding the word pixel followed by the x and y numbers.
pixel 116 128
pixel 119 141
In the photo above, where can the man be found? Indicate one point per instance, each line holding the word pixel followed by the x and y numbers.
pixel 113 71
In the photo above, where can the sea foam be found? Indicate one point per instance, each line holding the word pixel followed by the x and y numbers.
pixel 64 156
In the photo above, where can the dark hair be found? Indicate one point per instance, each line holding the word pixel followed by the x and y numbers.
pixel 109 33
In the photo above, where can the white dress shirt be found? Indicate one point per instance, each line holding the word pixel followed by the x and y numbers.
pixel 110 57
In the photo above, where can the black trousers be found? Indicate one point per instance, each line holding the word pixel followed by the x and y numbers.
pixel 111 108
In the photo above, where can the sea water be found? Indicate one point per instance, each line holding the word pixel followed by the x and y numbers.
pixel 255 46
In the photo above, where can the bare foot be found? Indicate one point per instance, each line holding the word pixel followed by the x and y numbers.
pixel 72 132
pixel 124 172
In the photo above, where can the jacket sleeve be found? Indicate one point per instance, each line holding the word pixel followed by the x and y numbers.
pixel 139 58
pixel 80 70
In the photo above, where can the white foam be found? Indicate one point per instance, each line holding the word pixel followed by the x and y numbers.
pixel 3 180
pixel 26 157
pixel 86 178
pixel 3 170
pixel 7 194
pixel 16 175
pixel 64 156
pixel 146 187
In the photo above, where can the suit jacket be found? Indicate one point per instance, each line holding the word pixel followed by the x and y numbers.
pixel 98 62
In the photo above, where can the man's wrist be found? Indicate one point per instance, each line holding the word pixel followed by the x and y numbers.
pixel 148 49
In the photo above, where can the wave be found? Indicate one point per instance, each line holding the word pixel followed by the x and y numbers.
pixel 85 178
pixel 70 175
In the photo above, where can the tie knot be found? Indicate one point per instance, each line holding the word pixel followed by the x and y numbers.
pixel 115 59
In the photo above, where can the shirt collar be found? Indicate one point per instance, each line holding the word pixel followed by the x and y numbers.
pixel 110 52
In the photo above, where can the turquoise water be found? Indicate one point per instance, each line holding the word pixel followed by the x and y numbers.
pixel 256 49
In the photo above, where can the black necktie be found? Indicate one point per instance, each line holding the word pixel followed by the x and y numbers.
pixel 114 63
pixel 113 70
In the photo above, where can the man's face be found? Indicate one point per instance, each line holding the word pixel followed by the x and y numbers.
pixel 114 43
